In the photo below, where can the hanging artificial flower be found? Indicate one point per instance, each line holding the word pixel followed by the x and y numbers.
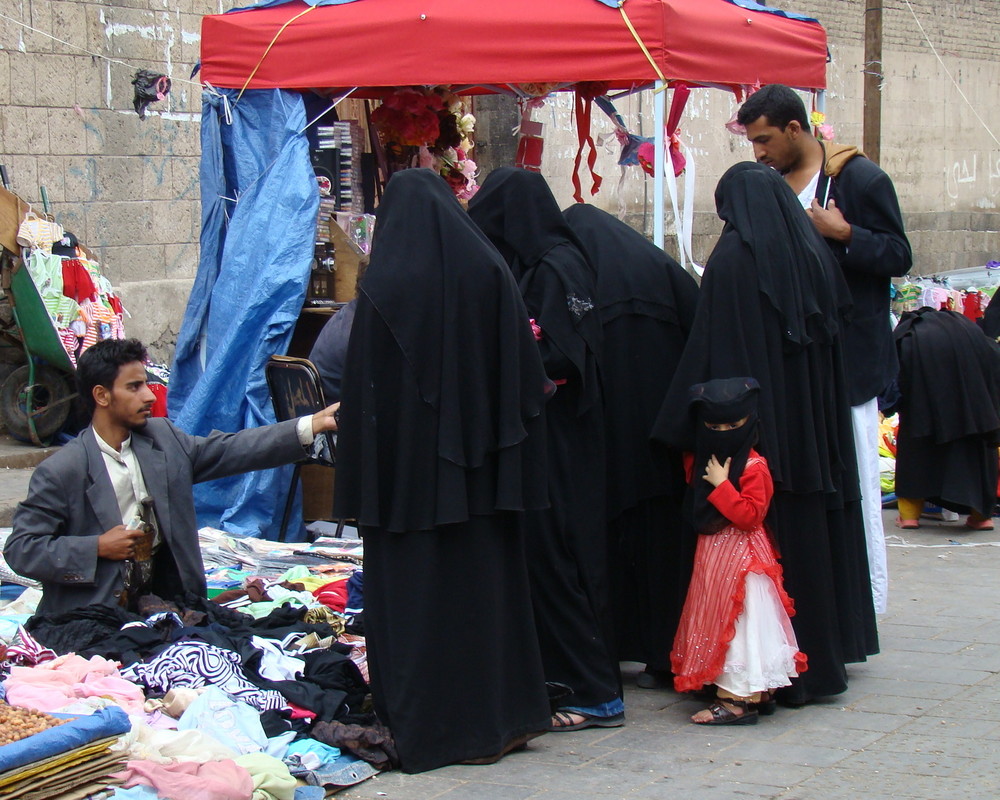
pixel 429 127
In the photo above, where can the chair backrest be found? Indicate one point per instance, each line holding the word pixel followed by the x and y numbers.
pixel 296 390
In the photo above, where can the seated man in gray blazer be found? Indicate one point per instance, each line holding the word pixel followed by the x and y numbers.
pixel 88 530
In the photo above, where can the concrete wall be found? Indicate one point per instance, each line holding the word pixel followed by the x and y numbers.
pixel 130 188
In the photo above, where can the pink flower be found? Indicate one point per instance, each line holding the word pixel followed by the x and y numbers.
pixel 536 329
pixel 826 131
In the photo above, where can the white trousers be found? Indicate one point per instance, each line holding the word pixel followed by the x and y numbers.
pixel 865 421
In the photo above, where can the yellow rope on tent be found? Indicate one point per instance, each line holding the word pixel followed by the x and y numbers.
pixel 642 46
pixel 268 48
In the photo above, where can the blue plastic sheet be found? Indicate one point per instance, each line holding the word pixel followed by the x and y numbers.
pixel 269 3
pixel 750 5
pixel 259 205
pixel 77 732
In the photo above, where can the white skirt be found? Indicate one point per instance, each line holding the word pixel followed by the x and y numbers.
pixel 761 656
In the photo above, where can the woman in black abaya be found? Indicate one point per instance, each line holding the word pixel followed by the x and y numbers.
pixel 771 301
pixel 567 550
pixel 646 303
pixel 949 423
pixel 441 446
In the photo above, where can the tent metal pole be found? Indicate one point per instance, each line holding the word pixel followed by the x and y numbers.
pixel 659 120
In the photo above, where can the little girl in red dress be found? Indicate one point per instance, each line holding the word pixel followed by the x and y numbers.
pixel 735 630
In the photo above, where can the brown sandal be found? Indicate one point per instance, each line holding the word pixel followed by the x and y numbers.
pixel 723 716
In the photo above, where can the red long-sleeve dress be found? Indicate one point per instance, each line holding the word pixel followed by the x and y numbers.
pixel 735 629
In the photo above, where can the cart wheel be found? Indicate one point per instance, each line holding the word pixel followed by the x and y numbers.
pixel 50 414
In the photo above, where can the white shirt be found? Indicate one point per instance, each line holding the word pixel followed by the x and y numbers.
pixel 126 477
pixel 806 195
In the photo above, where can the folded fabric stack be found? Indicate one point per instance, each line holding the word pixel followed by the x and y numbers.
pixel 71 758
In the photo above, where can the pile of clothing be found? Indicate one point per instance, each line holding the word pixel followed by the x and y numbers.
pixel 260 692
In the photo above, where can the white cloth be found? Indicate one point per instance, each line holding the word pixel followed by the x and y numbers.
pixel 866 438
pixel 806 195
pixel 304 428
pixel 761 655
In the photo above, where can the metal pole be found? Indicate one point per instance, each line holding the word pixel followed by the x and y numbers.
pixel 872 137
pixel 659 120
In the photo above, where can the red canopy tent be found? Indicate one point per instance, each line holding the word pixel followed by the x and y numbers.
pixel 381 43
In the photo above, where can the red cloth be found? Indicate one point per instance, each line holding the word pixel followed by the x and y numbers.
pixel 718 584
pixel 333 595
pixel 160 403
pixel 528 41
pixel 77 283
pixel 972 305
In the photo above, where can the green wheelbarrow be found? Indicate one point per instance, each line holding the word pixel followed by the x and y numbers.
pixel 35 397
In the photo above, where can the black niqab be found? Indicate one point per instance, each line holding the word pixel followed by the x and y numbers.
pixel 757 204
pixel 718 402
pixel 646 303
pixel 516 210
pixel 458 319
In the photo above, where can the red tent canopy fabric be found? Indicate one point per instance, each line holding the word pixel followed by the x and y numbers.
pixel 382 43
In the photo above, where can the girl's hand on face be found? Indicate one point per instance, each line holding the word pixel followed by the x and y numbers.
pixel 716 473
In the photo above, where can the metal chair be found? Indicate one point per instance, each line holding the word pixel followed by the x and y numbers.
pixel 296 390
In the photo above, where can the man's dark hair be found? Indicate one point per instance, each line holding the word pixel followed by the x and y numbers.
pixel 99 365
pixel 776 102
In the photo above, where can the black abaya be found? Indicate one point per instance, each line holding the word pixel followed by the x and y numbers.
pixel 646 303
pixel 769 309
pixel 441 446
pixel 949 424
pixel 566 545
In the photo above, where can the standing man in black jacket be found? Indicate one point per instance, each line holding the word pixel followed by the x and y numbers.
pixel 853 205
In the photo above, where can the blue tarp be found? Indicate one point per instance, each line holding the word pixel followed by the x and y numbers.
pixel 259 205
pixel 269 3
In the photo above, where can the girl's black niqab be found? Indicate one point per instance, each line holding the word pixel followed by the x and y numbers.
pixel 716 402
pixel 516 210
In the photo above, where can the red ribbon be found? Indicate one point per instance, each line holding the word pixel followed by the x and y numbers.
pixel 583 109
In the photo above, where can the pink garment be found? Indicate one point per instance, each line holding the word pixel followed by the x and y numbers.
pixel 54 684
pixel 213 780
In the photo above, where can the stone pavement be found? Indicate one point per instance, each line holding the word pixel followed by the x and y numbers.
pixel 920 721
pixel 17 461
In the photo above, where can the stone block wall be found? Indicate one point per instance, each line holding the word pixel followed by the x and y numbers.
pixel 127 187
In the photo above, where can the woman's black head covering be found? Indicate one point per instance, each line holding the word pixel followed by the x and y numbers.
pixel 457 316
pixel 634 276
pixel 757 204
pixel 516 210
pixel 716 402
